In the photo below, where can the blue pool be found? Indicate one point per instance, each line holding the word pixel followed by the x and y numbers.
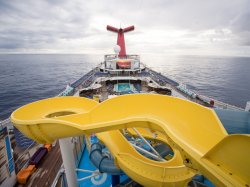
pixel 123 87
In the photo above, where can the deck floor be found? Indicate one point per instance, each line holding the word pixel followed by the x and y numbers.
pixel 47 170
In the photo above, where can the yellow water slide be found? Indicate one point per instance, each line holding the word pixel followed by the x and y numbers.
pixel 193 130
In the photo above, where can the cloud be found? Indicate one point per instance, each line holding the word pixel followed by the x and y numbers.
pixel 162 26
pixel 37 24
pixel 241 27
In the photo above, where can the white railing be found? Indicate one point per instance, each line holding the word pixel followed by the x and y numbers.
pixel 5 123
pixel 113 56
pixel 220 104
pixel 58 175
pixel 20 162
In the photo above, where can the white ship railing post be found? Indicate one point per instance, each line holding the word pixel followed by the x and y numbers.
pixel 145 141
pixel 68 161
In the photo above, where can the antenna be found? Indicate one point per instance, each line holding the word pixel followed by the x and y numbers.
pixel 120 37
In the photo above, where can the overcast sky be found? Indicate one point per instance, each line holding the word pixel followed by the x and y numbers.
pixel 174 27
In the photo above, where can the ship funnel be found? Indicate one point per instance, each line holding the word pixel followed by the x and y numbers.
pixel 120 37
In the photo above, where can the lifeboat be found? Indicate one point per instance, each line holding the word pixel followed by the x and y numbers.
pixel 124 64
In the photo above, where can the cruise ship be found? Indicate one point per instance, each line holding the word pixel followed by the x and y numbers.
pixel 124 124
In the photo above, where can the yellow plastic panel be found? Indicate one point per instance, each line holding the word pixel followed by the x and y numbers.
pixel 231 156
pixel 143 170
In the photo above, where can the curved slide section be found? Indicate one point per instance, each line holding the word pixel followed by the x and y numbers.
pixel 192 129
pixel 142 169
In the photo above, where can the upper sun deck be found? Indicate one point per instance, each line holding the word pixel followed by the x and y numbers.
pixel 128 63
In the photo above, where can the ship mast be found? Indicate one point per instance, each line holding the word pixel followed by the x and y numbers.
pixel 120 38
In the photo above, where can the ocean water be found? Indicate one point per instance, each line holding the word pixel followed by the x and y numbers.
pixel 27 78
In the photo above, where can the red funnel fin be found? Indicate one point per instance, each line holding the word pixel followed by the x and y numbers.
pixel 120 37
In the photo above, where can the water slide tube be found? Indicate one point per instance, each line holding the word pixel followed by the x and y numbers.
pixel 107 165
pixel 101 162
pixel 194 130
pixel 145 171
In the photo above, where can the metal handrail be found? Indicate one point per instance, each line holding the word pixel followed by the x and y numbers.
pixel 94 173
pixel 147 152
pixel 23 162
pixel 4 122
pixel 224 105
pixel 24 152
pixel 58 175
pixel 146 142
